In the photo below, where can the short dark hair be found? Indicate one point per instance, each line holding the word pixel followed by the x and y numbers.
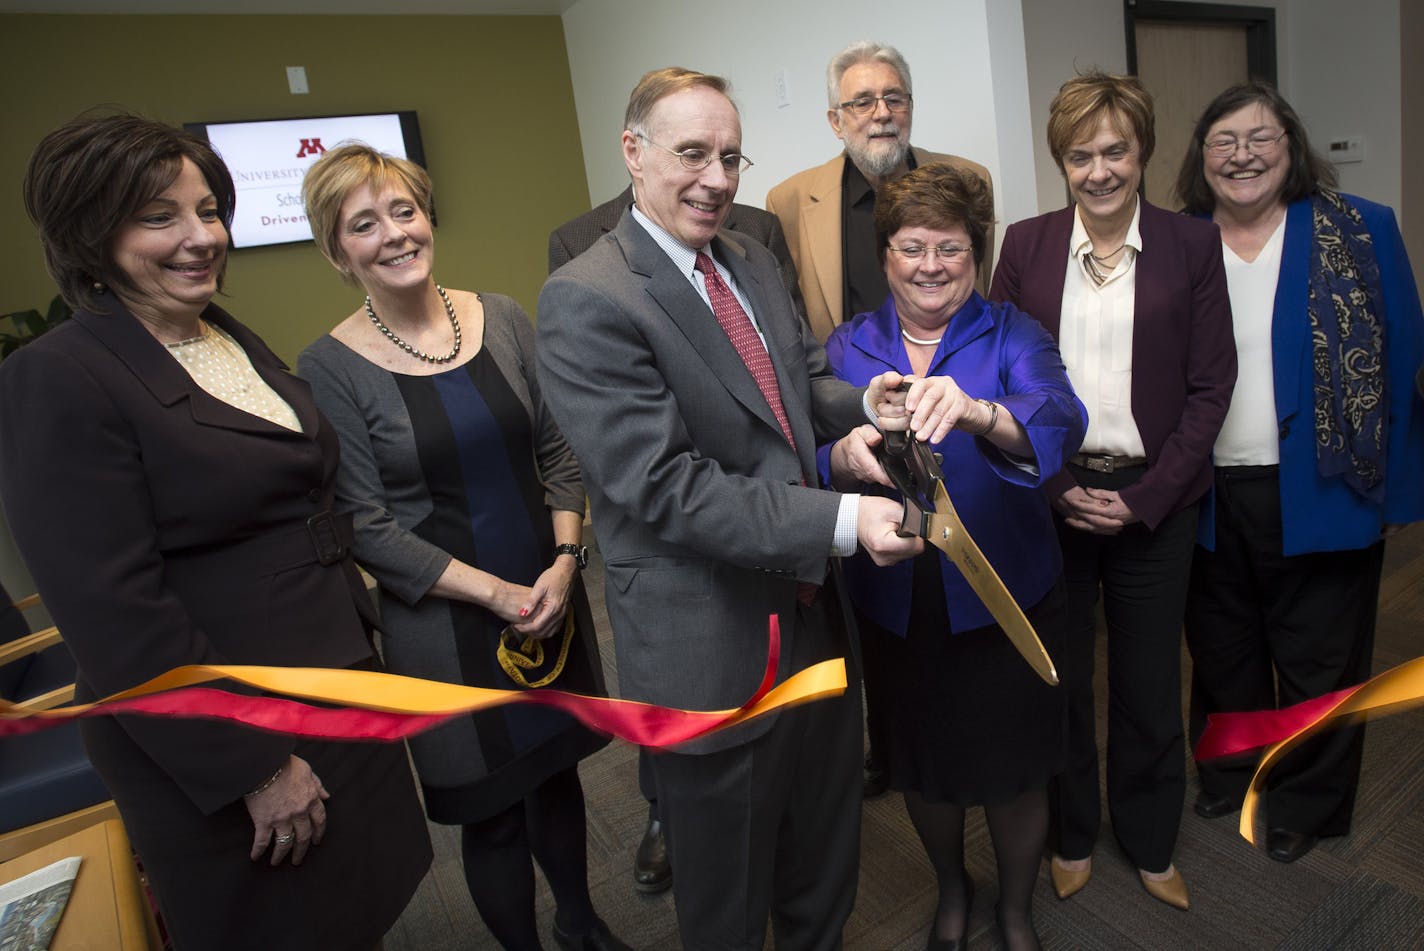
pixel 658 84
pixel 1308 171
pixel 89 176
pixel 937 196
pixel 1084 100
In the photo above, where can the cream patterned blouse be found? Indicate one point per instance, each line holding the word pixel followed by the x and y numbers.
pixel 221 367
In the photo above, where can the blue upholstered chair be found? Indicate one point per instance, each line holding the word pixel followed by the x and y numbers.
pixel 45 777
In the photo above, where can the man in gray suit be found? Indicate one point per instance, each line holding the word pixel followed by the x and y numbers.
pixel 694 397
pixel 577 235
pixel 651 870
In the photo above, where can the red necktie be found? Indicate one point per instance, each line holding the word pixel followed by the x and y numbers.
pixel 739 329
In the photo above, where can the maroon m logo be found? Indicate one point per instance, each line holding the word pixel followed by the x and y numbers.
pixel 311 147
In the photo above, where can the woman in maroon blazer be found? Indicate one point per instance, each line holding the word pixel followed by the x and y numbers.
pixel 1136 298
pixel 169 485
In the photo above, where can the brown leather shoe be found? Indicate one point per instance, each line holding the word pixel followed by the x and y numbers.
pixel 1068 882
pixel 1171 891
pixel 652 872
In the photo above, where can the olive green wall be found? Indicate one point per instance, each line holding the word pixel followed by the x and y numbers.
pixel 496 114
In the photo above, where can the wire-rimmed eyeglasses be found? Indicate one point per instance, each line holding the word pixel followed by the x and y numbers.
pixel 1262 143
pixel 945 252
pixel 695 159
pixel 865 105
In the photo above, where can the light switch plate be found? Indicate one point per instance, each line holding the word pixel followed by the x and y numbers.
pixel 1345 149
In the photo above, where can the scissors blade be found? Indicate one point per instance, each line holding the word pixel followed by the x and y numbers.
pixel 948 534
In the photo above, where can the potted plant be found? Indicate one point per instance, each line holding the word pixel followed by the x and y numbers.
pixel 29 324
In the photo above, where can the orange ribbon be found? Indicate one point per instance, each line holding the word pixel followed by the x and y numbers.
pixel 1280 731
pixel 370 705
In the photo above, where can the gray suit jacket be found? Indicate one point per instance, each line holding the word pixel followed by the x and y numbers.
pixel 704 512
pixel 573 238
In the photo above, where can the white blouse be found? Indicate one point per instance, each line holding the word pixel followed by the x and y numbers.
pixel 1095 339
pixel 1249 435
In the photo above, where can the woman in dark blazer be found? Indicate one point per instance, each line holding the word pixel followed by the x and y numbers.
pixel 170 488
pixel 1136 298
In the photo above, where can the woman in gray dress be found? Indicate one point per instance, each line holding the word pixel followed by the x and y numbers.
pixel 468 510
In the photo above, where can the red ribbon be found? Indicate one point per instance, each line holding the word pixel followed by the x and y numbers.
pixel 380 706
pixel 1280 731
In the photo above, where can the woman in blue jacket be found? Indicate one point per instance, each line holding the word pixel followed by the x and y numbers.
pixel 966 721
pixel 1319 458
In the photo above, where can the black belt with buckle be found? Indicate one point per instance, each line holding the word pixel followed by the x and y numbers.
pixel 331 536
pixel 1100 462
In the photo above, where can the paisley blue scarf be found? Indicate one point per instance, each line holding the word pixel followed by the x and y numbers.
pixel 1347 335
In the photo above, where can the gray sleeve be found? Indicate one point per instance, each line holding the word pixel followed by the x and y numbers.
pixel 359 399
pixel 509 338
pixel 559 253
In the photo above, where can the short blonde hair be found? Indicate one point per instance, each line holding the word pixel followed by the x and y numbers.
pixel 341 171
pixel 1084 100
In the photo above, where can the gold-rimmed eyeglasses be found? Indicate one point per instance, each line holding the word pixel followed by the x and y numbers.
pixel 1261 143
pixel 945 252
pixel 865 105
pixel 695 160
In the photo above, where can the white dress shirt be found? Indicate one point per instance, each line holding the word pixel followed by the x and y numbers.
pixel 1095 339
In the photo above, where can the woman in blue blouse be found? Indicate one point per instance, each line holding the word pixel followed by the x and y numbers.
pixel 1319 458
pixel 966 721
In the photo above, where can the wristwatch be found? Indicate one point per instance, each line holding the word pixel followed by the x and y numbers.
pixel 580 553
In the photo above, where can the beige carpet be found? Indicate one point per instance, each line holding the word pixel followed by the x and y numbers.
pixel 1365 891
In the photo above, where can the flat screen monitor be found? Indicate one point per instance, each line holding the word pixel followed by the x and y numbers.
pixel 269 157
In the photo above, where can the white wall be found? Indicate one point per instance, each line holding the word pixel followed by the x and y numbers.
pixel 1347 82
pixel 947 43
pixel 985 72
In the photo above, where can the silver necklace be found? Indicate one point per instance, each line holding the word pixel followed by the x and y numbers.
pixel 1103 258
pixel 924 343
pixel 421 354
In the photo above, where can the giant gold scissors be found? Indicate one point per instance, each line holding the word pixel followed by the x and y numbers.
pixel 930 515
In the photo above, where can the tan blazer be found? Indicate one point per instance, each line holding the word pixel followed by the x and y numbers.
pixel 808 204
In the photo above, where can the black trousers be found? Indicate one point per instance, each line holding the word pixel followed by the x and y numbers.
pixel 1142 575
pixel 771 828
pixel 1268 630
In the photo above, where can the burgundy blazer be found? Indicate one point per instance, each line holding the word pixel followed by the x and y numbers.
pixel 1183 348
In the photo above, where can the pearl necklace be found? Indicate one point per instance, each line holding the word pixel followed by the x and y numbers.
pixel 420 354
pixel 916 340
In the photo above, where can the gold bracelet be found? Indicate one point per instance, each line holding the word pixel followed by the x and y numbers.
pixel 993 416
pixel 271 781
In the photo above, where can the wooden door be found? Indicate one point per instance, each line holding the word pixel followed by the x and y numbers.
pixel 1184 66
pixel 1185 54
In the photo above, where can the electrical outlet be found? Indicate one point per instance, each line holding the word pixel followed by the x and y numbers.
pixel 783 88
